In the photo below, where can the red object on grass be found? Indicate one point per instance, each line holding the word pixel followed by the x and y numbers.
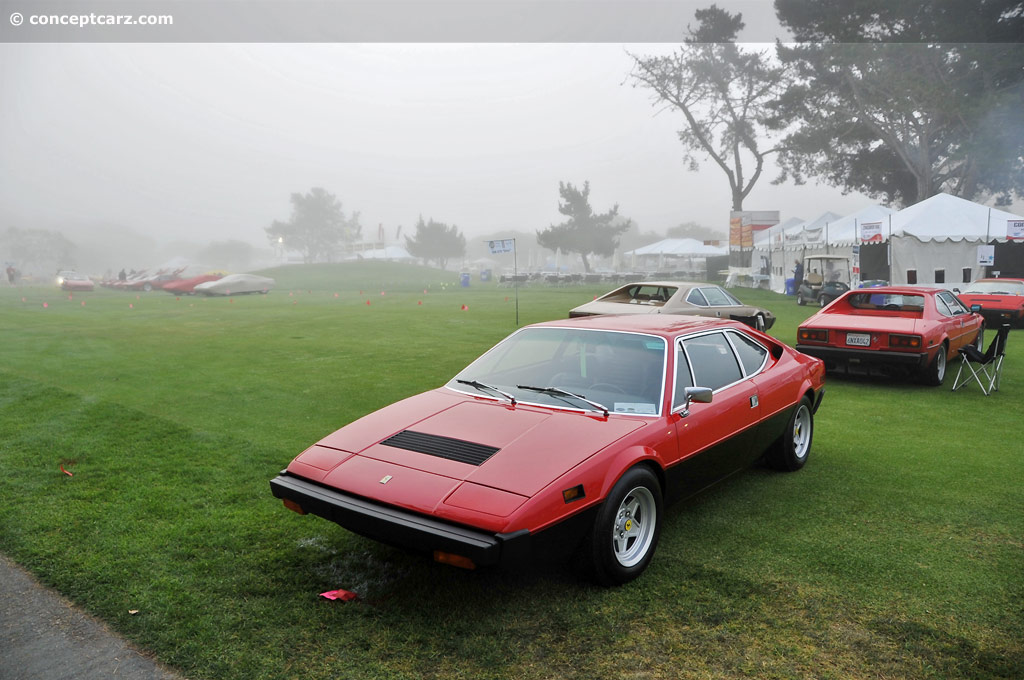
pixel 69 474
pixel 343 595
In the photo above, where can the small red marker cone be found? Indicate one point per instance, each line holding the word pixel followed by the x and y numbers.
pixel 46 305
pixel 382 293
pixel 419 302
pixel 367 303
pixel 71 297
pixel 335 295
pixel 177 298
pixel 465 308
pixel 83 303
pixel 131 306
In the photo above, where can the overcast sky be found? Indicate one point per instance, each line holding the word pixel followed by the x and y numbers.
pixel 207 141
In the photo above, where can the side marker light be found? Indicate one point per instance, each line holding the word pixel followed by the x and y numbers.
pixel 454 560
pixel 573 494
pixel 293 506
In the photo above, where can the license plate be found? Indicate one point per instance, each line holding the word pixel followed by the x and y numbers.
pixel 858 339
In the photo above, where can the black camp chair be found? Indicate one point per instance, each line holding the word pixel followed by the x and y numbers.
pixel 989 364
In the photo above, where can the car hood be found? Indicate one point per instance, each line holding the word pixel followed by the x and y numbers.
pixel 599 307
pixel 440 439
pixel 988 300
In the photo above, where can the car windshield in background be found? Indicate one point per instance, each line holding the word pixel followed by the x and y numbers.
pixel 643 294
pixel 996 288
pixel 887 302
pixel 622 371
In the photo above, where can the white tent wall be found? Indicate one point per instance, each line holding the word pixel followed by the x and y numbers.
pixel 950 257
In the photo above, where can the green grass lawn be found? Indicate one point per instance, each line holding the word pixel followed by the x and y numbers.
pixel 895 553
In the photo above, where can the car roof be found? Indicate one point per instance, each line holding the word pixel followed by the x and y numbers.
pixel 668 325
pixel 896 290
pixel 679 284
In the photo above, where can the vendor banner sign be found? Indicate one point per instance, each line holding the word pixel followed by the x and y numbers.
pixel 871 232
pixel 1015 229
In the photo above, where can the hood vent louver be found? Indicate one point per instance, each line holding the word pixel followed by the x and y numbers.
pixel 442 447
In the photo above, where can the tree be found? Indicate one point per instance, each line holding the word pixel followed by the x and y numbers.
pixel 584 232
pixel 723 93
pixel 436 241
pixel 39 248
pixel 317 226
pixel 902 99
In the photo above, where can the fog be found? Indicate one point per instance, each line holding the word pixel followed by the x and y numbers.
pixel 193 143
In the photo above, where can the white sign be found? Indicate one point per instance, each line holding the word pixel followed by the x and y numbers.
pixel 1015 229
pixel 871 232
pixel 502 246
pixel 986 255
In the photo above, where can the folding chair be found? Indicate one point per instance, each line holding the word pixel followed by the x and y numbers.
pixel 989 364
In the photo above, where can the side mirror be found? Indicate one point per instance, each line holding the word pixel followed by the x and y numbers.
pixel 976 308
pixel 702 395
pixel 956 290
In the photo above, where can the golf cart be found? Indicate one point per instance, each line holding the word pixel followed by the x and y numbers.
pixel 826 277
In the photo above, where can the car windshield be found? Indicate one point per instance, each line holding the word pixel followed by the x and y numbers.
pixel 996 288
pixel 590 369
pixel 830 271
pixel 642 294
pixel 886 302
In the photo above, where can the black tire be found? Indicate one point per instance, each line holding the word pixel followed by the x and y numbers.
pixel 800 299
pixel 979 342
pixel 626 530
pixel 790 452
pixel 936 371
pixel 822 301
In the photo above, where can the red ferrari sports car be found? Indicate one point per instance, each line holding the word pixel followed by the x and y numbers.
pixel 1001 300
pixel 567 436
pixel 893 326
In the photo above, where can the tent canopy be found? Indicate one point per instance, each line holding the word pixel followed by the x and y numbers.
pixel 680 246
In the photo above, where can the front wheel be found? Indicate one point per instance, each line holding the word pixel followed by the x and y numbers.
pixel 791 450
pixel 625 533
pixel 800 299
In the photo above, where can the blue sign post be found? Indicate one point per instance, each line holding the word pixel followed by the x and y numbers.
pixel 508 245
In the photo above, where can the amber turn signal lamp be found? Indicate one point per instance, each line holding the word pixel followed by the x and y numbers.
pixel 293 506
pixel 813 334
pixel 454 560
pixel 909 341
pixel 573 494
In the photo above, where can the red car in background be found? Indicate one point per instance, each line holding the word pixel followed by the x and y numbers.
pixel 918 329
pixel 1001 300
pixel 73 281
pixel 187 286
pixel 566 436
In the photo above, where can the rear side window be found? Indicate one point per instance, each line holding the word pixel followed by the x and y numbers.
pixel 717 297
pixel 696 298
pixel 713 362
pixel 752 355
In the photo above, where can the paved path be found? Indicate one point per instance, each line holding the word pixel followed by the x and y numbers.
pixel 44 637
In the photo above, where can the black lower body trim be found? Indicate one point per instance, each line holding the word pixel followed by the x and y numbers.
pixel 401 527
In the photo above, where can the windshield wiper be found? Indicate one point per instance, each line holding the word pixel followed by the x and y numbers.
pixel 484 386
pixel 559 392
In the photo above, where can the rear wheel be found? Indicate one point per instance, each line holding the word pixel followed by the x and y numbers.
pixel 822 301
pixel 791 451
pixel 625 533
pixel 936 371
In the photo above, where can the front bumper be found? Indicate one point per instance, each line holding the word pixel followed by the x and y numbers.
pixel 995 317
pixel 402 528
pixel 872 357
